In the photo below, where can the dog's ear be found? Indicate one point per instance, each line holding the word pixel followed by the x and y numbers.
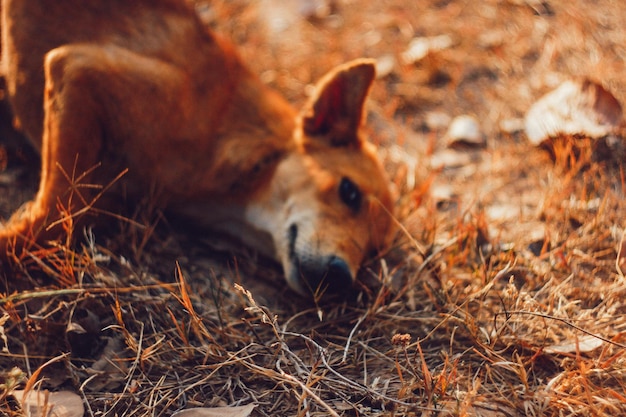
pixel 335 112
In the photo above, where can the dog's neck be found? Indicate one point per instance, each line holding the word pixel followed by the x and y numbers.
pixel 246 207
pixel 251 180
pixel 258 220
pixel 256 132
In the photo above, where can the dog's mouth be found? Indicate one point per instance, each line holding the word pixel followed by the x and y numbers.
pixel 292 236
pixel 316 274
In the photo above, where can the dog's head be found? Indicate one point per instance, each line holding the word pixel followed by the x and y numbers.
pixel 331 198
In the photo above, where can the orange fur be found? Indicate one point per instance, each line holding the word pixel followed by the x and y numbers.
pixel 142 85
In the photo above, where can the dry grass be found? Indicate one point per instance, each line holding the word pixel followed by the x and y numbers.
pixel 503 295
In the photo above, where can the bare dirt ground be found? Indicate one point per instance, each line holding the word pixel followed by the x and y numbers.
pixel 502 296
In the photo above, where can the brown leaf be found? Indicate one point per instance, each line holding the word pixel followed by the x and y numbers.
pixel 50 404
pixel 580 107
pixel 241 411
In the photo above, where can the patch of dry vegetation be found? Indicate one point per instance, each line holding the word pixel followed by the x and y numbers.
pixel 502 296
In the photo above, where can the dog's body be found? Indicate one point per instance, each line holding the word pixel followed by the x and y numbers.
pixel 101 86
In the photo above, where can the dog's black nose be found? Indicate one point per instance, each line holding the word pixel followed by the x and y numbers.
pixel 330 277
pixel 339 277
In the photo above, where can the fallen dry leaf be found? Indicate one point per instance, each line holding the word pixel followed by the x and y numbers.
pixel 580 107
pixel 465 131
pixel 582 344
pixel 241 411
pixel 420 47
pixel 49 404
pixel 451 159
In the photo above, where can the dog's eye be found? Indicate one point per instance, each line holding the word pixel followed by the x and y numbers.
pixel 350 194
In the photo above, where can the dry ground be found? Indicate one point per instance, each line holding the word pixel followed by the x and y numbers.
pixel 503 295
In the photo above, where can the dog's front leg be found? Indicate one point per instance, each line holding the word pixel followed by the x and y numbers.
pixel 72 149
pixel 106 109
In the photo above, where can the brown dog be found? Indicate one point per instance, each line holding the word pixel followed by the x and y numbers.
pixel 104 86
